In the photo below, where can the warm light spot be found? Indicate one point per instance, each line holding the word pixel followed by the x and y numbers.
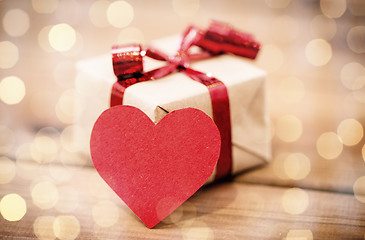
pixel 43 39
pixel 357 7
pixel 277 3
pixel 65 107
pixel 278 165
pixel 130 35
pixel 97 13
pixel 62 37
pixel 329 145
pixel 7 139
pixel 318 52
pixel 66 227
pixel 44 149
pixel 12 90
pixel 68 199
pixel 295 201
pixel 43 227
pixel 291 90
pixel 350 131
pixel 200 230
pixel 333 9
pixel 9 55
pixel 353 76
pixel 284 29
pixel 359 189
pixel 186 8
pixel 13 207
pixel 297 166
pixel 67 138
pixel 289 128
pixel 63 173
pixel 44 6
pixel 323 27
pixel 105 213
pixel 120 14
pixel 77 47
pixel 88 85
pixel 16 22
pixel 299 234
pixel 363 152
pixel 355 39
pixel 7 170
pixel 270 58
pixel 45 195
pixel 359 95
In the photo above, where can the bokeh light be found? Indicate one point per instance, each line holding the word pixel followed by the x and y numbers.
pixel 288 128
pixel 185 8
pixel 7 170
pixel 355 39
pixel 66 227
pixel 16 22
pixel 12 90
pixel 357 7
pixel 200 231
pixel 13 207
pixel 9 54
pixel 333 9
pixel 120 14
pixel 363 152
pixel 353 75
pixel 44 6
pixel 105 213
pixel 329 145
pixel 43 39
pixel 62 37
pixel 359 189
pixel 297 166
pixel 295 201
pixel 43 227
pixel 131 35
pixel 299 234
pixel 277 3
pixel 44 194
pixel 65 106
pixel 323 27
pixel 318 52
pixel 97 13
pixel 350 131
pixel 44 148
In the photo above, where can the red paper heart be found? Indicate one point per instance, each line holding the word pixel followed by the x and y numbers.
pixel 154 168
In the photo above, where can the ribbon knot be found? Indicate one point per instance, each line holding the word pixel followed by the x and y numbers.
pixel 219 38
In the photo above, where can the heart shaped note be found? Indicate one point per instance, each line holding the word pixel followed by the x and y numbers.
pixel 154 168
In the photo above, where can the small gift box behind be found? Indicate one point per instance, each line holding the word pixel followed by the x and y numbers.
pixel 245 84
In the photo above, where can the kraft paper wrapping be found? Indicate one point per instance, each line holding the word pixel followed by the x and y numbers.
pixel 246 86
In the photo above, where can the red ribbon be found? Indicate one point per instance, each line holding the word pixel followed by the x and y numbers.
pixel 219 38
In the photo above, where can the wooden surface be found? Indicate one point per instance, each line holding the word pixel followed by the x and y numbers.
pixel 227 210
pixel 308 197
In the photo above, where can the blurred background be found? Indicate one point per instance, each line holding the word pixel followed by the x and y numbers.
pixel 313 52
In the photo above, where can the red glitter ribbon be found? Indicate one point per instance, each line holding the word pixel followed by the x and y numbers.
pixel 219 38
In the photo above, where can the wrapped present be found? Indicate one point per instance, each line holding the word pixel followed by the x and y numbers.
pixel 159 87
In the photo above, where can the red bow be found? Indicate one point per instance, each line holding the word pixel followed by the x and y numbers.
pixel 219 38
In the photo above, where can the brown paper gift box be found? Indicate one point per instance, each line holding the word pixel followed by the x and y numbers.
pixel 246 85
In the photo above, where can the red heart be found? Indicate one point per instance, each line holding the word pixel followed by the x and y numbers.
pixel 154 168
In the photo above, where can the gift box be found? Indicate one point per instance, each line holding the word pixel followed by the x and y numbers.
pixel 245 83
